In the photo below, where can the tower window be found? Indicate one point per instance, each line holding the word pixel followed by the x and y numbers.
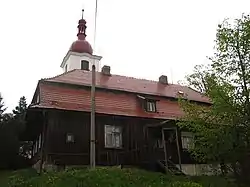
pixel 66 68
pixel 84 65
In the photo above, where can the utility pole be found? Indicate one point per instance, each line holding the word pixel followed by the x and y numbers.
pixel 93 85
pixel 92 125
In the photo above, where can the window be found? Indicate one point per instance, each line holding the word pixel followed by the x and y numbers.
pixel 150 106
pixel 39 141
pixel 36 147
pixel 187 140
pixel 84 65
pixel 113 136
pixel 38 98
pixel 33 150
pixel 70 138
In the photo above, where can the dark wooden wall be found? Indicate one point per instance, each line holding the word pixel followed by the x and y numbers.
pixel 137 140
pixel 78 123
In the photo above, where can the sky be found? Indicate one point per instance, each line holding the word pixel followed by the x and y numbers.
pixel 138 38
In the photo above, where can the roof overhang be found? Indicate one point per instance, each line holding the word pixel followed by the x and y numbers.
pixel 147 98
pixel 159 124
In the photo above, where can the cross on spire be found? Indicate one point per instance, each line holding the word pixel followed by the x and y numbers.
pixel 82 13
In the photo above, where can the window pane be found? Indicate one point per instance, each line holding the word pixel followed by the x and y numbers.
pixel 108 142
pixel 70 138
pixel 40 141
pixel 117 140
pixel 187 142
pixel 108 129
pixel 151 106
pixel 117 129
pixel 113 136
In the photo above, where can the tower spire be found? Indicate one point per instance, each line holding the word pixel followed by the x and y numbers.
pixel 81 28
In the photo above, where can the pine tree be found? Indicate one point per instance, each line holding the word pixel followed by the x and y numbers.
pixel 2 109
pixel 20 110
pixel 20 123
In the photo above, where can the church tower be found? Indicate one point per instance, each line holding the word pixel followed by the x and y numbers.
pixel 80 54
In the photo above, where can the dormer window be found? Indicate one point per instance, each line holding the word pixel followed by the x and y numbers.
pixel 149 104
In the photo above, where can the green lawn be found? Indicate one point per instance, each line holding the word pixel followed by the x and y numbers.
pixel 106 177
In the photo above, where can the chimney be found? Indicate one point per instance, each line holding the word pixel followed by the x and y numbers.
pixel 84 65
pixel 163 79
pixel 106 70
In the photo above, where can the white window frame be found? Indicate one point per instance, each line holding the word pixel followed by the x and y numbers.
pixel 150 106
pixel 70 138
pixel 187 140
pixel 115 134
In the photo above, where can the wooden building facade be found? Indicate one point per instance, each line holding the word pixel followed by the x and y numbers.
pixel 133 127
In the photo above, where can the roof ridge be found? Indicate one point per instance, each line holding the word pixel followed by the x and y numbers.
pixel 124 76
pixel 144 79
pixel 64 73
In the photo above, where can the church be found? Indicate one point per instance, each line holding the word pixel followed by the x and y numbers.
pixel 134 118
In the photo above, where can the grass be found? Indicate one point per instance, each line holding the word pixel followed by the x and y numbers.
pixel 106 177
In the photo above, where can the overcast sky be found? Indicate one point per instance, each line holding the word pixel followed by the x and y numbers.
pixel 140 38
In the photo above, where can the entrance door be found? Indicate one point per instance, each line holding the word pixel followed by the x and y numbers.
pixel 171 145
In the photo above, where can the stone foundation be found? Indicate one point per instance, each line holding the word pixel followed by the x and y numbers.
pixel 200 169
pixel 46 166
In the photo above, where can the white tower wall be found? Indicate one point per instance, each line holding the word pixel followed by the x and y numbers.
pixel 73 61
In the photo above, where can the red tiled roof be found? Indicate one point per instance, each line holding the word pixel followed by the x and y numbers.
pixel 117 103
pixel 55 96
pixel 128 84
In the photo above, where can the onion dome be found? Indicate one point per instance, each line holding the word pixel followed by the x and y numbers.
pixel 81 45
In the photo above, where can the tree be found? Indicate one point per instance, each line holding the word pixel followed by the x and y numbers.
pixel 14 152
pixel 19 118
pixel 19 114
pixel 222 130
pixel 20 110
pixel 2 109
pixel 8 141
pixel 198 80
